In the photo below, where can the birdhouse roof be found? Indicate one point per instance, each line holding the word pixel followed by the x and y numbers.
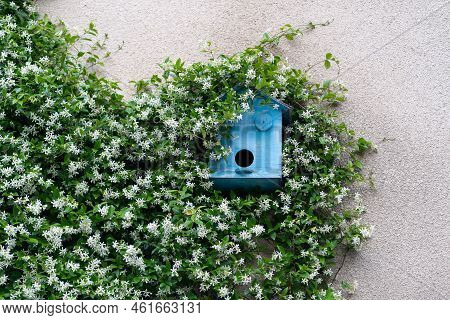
pixel 285 108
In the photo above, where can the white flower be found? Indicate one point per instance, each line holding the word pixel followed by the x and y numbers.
pixel 54 236
pixel 4 277
pixel 224 292
pixel 6 256
pixel 72 266
pixel 246 279
pixel 202 231
pixel 276 255
pixel 86 225
pixel 366 232
pixel 257 229
pixel 95 244
pixel 171 123
pixel 245 235
pixel 251 74
pixel 245 106
pixel 59 203
pixel 81 188
pixel 328 272
pixel 37 207
pixel 152 227
pixel 103 210
pixel 132 258
pixel 356 241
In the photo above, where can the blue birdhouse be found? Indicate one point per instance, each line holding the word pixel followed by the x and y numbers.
pixel 256 148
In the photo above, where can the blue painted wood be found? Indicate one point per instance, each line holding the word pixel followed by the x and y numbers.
pixel 260 132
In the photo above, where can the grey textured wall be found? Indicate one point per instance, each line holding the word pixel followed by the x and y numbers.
pixel 395 58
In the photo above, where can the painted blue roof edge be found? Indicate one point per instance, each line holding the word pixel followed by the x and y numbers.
pixel 285 108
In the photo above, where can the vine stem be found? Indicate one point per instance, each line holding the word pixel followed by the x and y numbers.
pixel 340 267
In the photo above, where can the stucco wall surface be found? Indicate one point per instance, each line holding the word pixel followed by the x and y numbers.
pixel 395 58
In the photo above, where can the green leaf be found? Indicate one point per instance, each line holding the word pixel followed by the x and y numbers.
pixel 33 240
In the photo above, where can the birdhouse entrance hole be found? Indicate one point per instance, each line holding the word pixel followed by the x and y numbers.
pixel 244 158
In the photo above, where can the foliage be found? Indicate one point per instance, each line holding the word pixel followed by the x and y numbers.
pixel 107 198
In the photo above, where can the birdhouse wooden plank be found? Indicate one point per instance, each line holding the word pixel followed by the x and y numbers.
pixel 256 148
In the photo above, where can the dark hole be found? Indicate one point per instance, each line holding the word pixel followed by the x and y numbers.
pixel 244 158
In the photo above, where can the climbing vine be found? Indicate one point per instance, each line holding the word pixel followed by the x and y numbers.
pixel 103 198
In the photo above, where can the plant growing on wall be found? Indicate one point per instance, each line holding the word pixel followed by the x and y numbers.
pixel 103 198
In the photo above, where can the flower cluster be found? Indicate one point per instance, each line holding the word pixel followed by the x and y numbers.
pixel 103 198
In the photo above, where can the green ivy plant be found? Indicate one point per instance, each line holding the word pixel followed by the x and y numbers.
pixel 103 198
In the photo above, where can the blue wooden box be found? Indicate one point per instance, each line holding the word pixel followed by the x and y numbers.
pixel 256 144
